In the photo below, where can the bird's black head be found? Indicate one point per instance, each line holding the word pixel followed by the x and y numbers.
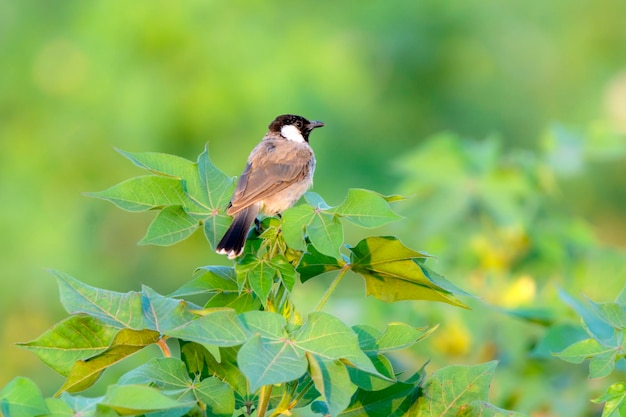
pixel 293 127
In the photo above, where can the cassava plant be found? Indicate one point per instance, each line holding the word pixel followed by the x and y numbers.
pixel 246 350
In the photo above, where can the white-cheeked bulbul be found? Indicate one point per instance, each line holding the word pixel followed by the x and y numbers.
pixel 279 171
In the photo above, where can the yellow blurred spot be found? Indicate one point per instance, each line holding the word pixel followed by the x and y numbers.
pixel 452 340
pixel 496 251
pixel 521 291
pixel 490 254
pixel 60 68
pixel 615 101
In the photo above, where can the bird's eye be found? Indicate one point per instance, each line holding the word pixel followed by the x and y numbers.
pixel 298 124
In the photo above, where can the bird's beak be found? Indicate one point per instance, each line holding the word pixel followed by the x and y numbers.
pixel 315 123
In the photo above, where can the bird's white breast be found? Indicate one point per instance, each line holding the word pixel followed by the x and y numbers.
pixel 290 132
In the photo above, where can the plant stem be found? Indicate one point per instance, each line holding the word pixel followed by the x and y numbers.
pixel 332 287
pixel 288 402
pixel 164 348
pixel 283 405
pixel 300 395
pixel 264 400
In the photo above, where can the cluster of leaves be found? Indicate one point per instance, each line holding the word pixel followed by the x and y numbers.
pixel 190 195
pixel 510 230
pixel 499 210
pixel 247 351
pixel 227 359
pixel 604 345
pixel 499 200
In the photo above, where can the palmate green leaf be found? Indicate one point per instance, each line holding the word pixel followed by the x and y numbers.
pixel 264 323
pixel 322 227
pixel 161 163
pixel 315 200
pixel 207 188
pixel 384 403
pixel 219 327
pixel 294 221
pixel 326 336
pixel 612 313
pixel 269 357
pixel 273 356
pixel 325 233
pixel 448 391
pixel 201 363
pixel 133 310
pixel 190 194
pixel 197 359
pixel 220 282
pixel 217 397
pixel 139 399
pixel 245 301
pixel 259 273
pixel 215 191
pixel 172 166
pixel 394 272
pixel 329 338
pixel 267 361
pixel 332 381
pixel 75 338
pixel 81 406
pixel 366 208
pixel 602 365
pixel 400 336
pixel 285 271
pixel 22 398
pixel 320 222
pixel 164 373
pixel 212 279
pixel 164 313
pixel 170 374
pixel 313 263
pixel 585 349
pixel 218 186
pixel 144 193
pixel 127 342
pixel 373 342
pixel 597 327
pixel 170 226
pixel 121 310
pixel 396 336
pixel 614 400
pixel 371 382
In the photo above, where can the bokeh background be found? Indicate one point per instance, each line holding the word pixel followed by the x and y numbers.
pixel 505 121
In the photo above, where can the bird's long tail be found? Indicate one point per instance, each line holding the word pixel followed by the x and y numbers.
pixel 235 237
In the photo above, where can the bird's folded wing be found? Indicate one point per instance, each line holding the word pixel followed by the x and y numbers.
pixel 277 171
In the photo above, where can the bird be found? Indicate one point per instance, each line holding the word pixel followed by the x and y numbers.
pixel 278 172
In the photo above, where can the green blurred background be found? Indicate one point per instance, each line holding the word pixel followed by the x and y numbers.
pixel 546 82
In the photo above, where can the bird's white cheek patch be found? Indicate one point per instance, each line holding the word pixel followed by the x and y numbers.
pixel 291 133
